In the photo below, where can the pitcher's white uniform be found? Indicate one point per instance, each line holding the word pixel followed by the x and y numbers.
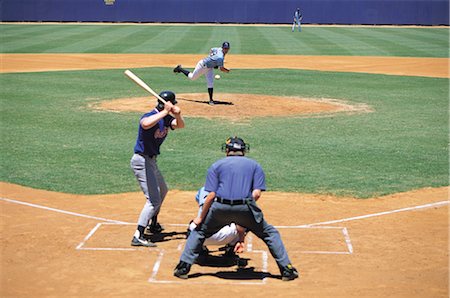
pixel 227 235
pixel 206 66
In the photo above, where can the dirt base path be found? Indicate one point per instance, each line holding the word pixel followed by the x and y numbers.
pixel 405 66
pixel 56 244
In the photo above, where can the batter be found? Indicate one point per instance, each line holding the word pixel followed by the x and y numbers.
pixel 153 129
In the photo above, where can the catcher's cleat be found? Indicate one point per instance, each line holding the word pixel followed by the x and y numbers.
pixel 182 270
pixel 142 242
pixel 177 69
pixel 288 273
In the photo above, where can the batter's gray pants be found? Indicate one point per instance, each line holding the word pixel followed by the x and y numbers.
pixel 248 216
pixel 152 185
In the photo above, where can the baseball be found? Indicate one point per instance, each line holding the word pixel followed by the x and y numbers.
pixel 217 77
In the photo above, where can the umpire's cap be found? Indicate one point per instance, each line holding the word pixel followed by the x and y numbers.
pixel 225 45
pixel 235 144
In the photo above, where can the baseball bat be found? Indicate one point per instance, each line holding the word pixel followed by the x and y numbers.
pixel 142 84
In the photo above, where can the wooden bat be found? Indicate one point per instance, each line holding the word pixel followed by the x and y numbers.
pixel 143 85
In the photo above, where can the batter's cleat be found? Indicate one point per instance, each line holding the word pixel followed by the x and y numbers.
pixel 211 102
pixel 177 69
pixel 182 270
pixel 288 273
pixel 156 228
pixel 142 242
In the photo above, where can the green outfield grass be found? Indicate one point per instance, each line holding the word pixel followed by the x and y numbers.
pixel 52 140
pixel 354 41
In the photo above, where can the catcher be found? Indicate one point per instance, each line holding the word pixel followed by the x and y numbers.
pixel 231 236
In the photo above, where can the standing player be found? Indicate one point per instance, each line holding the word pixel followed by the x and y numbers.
pixel 235 184
pixel 298 17
pixel 153 129
pixel 206 65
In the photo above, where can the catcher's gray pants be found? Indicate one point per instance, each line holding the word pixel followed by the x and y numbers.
pixel 152 185
pixel 248 216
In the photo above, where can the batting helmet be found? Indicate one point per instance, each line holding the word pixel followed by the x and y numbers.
pixel 226 45
pixel 167 96
pixel 235 144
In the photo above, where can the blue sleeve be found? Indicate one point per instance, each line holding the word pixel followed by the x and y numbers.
pixel 259 178
pixel 212 180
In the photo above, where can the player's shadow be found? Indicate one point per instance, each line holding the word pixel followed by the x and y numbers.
pixel 239 274
pixel 166 236
pixel 221 261
pixel 216 102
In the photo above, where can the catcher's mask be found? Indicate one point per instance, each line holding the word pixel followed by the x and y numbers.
pixel 167 96
pixel 235 144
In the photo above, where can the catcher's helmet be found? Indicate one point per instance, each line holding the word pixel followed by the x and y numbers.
pixel 235 144
pixel 167 96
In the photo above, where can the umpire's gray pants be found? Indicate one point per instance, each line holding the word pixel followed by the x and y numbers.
pixel 248 216
pixel 152 185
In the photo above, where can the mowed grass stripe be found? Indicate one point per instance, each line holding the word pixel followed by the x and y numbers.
pixel 355 43
pixel 89 43
pixel 39 39
pixel 430 42
pixel 60 38
pixel 160 40
pixel 287 42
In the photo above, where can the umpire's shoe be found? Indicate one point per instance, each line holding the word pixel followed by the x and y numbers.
pixel 288 273
pixel 182 270
pixel 142 242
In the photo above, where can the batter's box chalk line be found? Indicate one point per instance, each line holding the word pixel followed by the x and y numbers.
pixel 249 249
pixel 346 239
pixel 152 278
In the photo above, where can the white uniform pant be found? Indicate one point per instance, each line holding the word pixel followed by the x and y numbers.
pixel 226 235
pixel 201 69
pixel 152 185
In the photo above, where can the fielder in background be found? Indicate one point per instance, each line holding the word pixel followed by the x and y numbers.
pixel 206 66
pixel 153 129
pixel 230 236
pixel 234 184
pixel 298 17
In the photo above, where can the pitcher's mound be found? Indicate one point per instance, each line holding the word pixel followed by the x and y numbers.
pixel 239 106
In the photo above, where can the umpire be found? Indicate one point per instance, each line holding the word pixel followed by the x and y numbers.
pixel 235 184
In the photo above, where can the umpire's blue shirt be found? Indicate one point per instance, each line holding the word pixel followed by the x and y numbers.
pixel 235 177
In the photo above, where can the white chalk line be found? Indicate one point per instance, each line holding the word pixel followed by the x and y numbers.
pixel 63 211
pixel 264 269
pixel 436 204
pixel 156 266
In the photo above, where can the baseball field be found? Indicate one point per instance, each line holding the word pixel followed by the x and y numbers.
pixel 350 124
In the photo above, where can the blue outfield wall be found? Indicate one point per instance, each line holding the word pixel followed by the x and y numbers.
pixel 407 12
